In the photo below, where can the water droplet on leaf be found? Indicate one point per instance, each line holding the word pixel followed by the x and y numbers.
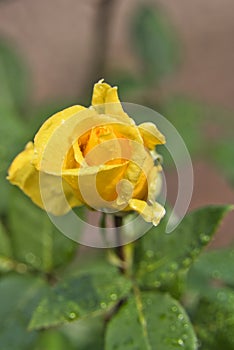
pixel 72 315
pixel 103 305
pixel 174 308
pixel 180 317
pixel 113 296
pixel 187 262
pixel 149 253
pixel 174 266
pixel 204 238
pixel 181 342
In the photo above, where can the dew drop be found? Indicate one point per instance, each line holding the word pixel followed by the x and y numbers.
pixel 174 266
pixel 187 262
pixel 173 328
pixel 204 238
pixel 180 342
pixel 170 275
pixel 6 265
pixel 180 317
pixel 195 252
pixel 174 308
pixel 103 305
pixel 149 253
pixel 72 315
pixel 30 258
pixel 177 342
pixel 113 296
pixel 21 268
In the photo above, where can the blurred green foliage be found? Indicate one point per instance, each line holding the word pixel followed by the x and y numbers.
pixel 43 247
pixel 174 256
pixel 210 298
pixel 155 43
pixel 48 298
pixel 148 315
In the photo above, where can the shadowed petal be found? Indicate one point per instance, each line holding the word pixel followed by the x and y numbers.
pixel 151 135
pixel 150 213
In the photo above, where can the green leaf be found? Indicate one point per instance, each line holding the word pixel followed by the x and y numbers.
pixel 160 258
pixel 35 240
pixel 155 42
pixel 216 265
pixel 79 296
pixel 214 320
pixel 53 340
pixel 19 296
pixel 87 333
pixel 212 270
pixel 150 321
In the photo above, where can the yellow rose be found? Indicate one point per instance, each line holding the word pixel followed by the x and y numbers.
pixel 97 155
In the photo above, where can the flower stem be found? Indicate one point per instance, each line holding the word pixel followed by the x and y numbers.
pixel 118 221
pixel 104 15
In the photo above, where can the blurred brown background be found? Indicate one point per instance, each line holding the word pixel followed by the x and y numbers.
pixel 57 38
pixel 61 42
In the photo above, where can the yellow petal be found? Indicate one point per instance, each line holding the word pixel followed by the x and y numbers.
pixel 104 93
pixel 77 153
pixel 125 191
pixel 141 190
pixel 102 146
pixel 154 183
pixel 128 132
pixel 24 175
pixel 151 135
pixel 46 131
pixel 138 163
pixel 150 213
pixel 105 99
pixel 110 143
pixel 96 186
pixel 70 160
pixel 51 149
pixel 58 196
